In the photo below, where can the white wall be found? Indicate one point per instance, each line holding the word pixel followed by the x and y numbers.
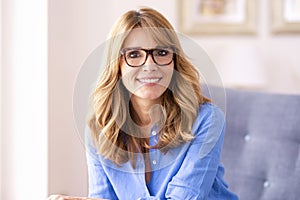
pixel 24 99
pixel 0 99
pixel 77 27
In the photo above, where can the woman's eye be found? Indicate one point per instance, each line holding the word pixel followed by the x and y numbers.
pixel 162 52
pixel 133 54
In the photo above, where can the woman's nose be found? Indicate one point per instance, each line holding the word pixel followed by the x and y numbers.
pixel 150 64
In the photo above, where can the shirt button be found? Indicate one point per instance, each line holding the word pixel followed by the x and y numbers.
pixel 154 162
pixel 153 132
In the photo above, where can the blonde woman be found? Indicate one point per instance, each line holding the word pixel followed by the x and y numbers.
pixel 152 134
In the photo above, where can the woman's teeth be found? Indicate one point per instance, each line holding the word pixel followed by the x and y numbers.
pixel 150 80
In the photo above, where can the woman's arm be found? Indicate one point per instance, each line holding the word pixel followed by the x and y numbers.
pixel 63 197
pixel 99 185
pixel 195 178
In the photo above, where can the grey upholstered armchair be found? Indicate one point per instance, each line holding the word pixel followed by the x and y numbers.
pixel 261 150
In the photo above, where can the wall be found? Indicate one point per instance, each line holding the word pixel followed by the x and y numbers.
pixel 23 100
pixel 77 27
pixel 1 99
pixel 277 54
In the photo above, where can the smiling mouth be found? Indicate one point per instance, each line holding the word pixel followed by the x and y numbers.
pixel 149 80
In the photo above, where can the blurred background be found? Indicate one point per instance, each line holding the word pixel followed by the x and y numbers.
pixel 44 44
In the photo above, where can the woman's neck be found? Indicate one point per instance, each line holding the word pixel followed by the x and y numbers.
pixel 142 108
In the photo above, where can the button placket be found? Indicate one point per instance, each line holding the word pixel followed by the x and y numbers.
pixel 153 152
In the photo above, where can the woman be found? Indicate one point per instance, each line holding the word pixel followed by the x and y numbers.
pixel 152 134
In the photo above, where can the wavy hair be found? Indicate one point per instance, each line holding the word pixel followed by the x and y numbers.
pixel 115 134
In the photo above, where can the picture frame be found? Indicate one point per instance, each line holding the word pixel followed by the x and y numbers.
pixel 225 17
pixel 285 16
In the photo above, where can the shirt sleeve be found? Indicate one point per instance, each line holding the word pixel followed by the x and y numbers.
pixel 198 170
pixel 99 185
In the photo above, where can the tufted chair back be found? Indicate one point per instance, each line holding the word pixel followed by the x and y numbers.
pixel 261 150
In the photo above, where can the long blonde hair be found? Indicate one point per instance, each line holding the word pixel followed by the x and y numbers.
pixel 116 136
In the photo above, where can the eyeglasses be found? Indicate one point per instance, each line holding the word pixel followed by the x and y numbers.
pixel 136 57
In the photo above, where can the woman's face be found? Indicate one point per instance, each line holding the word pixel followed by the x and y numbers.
pixel 150 80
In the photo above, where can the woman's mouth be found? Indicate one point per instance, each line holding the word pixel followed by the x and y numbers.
pixel 149 80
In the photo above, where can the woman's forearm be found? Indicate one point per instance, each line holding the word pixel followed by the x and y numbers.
pixel 63 197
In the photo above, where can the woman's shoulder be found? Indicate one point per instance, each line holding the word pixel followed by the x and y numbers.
pixel 209 115
pixel 210 109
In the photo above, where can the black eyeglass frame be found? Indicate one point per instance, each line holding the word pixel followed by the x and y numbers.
pixel 149 51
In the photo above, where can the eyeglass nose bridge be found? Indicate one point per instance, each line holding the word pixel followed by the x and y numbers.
pixel 149 51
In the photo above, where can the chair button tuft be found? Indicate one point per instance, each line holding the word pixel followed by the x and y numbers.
pixel 266 184
pixel 247 138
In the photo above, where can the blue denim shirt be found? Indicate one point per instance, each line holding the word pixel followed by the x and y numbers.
pixel 191 171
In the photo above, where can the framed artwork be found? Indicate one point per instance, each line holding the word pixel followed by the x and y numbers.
pixel 285 16
pixel 217 16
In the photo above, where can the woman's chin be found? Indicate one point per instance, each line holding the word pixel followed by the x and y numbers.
pixel 149 95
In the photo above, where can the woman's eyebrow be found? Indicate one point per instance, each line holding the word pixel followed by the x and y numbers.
pixel 139 47
pixel 128 48
pixel 161 46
